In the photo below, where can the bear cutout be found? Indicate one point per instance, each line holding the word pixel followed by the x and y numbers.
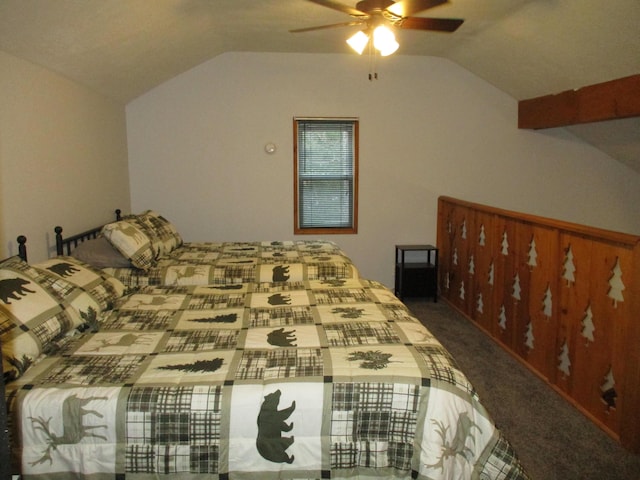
pixel 270 443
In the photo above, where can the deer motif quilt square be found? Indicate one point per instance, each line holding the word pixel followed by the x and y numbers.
pixel 454 436
pixel 143 301
pixel 187 275
pixel 63 426
pixel 120 343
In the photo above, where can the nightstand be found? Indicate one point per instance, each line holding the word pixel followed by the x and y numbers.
pixel 416 278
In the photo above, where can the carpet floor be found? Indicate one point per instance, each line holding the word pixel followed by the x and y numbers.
pixel 552 439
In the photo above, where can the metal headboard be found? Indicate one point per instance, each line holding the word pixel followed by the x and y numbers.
pixel 64 246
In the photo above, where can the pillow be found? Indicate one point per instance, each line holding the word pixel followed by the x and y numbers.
pixel 166 232
pixel 100 253
pixel 36 309
pixel 135 240
pixel 103 288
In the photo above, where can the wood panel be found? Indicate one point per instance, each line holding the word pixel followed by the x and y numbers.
pixel 559 296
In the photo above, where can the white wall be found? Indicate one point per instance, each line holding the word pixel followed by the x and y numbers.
pixel 63 157
pixel 427 128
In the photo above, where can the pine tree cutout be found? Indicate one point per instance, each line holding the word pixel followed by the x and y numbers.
pixel 568 268
pixel 491 274
pixel 449 227
pixel 587 325
pixel 480 303
pixel 199 366
pixel 472 266
pixel 528 336
pixel 224 318
pixel 505 244
pixel 455 256
pixel 502 318
pixel 609 394
pixel 446 282
pixel 547 303
pixel 516 287
pixel 462 292
pixel 565 364
pixel 463 230
pixel 533 254
pixel 615 285
pixel 483 237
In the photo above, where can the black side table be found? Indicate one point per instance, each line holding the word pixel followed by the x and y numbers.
pixel 416 279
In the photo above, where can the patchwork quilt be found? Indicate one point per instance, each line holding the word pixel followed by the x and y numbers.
pixel 211 263
pixel 302 380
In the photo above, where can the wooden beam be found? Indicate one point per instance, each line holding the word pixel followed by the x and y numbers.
pixel 603 101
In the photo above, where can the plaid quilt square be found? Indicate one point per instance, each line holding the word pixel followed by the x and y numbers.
pixel 173 429
pixel 368 418
pixel 273 364
pixel 360 333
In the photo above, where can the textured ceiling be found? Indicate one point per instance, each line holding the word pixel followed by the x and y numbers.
pixel 526 48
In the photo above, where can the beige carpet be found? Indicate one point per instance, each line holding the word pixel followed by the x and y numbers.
pixel 552 439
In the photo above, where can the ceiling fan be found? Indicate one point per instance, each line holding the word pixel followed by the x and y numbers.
pixel 375 16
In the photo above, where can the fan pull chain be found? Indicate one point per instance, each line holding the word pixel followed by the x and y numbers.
pixel 373 67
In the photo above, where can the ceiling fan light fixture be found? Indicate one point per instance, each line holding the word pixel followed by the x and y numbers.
pixel 358 41
pixel 384 40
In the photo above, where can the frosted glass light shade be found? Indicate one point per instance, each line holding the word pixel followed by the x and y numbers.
pixel 384 40
pixel 358 41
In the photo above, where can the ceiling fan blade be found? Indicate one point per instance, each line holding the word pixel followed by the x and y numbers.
pixel 405 8
pixel 432 24
pixel 340 7
pixel 322 27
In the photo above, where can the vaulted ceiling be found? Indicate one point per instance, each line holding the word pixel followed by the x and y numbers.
pixel 526 48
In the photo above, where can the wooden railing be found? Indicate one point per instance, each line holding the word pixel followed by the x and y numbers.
pixel 563 298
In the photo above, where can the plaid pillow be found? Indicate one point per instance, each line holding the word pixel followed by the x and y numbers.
pixel 135 240
pixel 102 287
pixel 36 309
pixel 166 232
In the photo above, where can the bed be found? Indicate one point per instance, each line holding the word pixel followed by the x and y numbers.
pixel 331 378
pixel 147 249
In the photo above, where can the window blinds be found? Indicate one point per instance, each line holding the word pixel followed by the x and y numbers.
pixel 326 173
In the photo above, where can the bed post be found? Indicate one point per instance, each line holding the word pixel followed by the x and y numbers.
pixel 59 247
pixel 22 247
pixel 118 214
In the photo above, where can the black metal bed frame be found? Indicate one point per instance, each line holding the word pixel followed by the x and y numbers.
pixel 64 246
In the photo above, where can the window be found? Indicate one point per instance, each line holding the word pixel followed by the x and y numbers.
pixel 325 175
